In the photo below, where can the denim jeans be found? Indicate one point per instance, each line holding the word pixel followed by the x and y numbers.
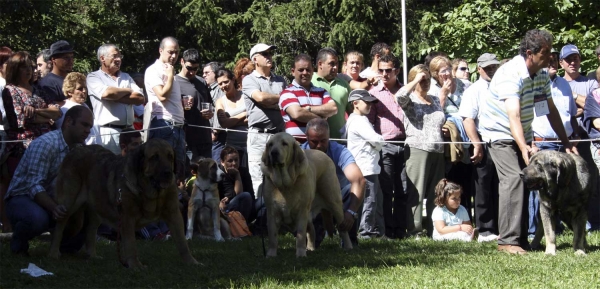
pixel 175 136
pixel 29 220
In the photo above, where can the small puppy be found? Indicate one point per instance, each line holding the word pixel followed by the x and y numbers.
pixel 204 204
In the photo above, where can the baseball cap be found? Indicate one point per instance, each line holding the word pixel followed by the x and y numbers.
pixel 261 47
pixel 567 50
pixel 487 59
pixel 60 47
pixel 361 94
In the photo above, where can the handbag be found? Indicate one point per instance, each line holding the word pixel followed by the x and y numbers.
pixel 237 224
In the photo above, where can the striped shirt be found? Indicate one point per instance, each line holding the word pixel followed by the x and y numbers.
pixel 512 80
pixel 296 94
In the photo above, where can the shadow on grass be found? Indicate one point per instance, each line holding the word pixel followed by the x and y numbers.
pixel 240 263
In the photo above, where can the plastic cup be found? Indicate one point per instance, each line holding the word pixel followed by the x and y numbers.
pixel 187 100
pixel 207 106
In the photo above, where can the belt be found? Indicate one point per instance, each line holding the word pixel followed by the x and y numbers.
pixel 172 122
pixel 266 130
pixel 544 139
pixel 118 126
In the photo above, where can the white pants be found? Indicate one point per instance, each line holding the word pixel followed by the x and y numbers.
pixel 110 139
pixel 256 146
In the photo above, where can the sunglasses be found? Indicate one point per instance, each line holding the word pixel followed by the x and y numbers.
pixel 189 68
pixel 463 68
pixel 266 53
pixel 388 70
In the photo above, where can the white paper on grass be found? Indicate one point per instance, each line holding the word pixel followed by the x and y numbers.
pixel 35 271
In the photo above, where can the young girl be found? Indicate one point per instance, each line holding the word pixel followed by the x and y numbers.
pixel 364 144
pixel 450 219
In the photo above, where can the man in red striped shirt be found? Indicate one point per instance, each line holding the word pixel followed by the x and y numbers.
pixel 302 101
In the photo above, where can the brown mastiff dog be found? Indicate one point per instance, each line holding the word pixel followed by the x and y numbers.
pixel 125 193
pixel 299 184
pixel 563 183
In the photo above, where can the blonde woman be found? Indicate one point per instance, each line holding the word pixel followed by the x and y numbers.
pixel 424 155
pixel 75 89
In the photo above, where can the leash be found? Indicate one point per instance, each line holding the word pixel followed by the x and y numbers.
pixel 262 233
pixel 120 210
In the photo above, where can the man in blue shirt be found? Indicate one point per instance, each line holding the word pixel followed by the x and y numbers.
pixel 30 200
pixel 349 175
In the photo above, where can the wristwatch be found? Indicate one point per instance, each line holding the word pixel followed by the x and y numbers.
pixel 353 213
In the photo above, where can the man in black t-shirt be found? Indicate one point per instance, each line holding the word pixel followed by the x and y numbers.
pixel 199 140
pixel 61 56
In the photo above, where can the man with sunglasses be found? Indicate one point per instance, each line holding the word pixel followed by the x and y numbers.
pixel 261 90
pixel 61 56
pixel 113 94
pixel 485 178
pixel 199 140
pixel 386 117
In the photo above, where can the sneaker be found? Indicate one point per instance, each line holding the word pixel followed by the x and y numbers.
pixel 488 238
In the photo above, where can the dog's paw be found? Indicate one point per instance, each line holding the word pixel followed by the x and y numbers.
pixel 300 253
pixel 188 236
pixel 580 253
pixel 550 252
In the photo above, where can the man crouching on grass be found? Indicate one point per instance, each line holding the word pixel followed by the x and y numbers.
pixel 30 204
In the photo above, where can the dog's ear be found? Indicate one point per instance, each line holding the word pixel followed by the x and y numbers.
pixel 133 167
pixel 564 170
pixel 298 156
pixel 265 156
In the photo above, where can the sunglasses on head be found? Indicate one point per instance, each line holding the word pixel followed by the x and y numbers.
pixel 189 68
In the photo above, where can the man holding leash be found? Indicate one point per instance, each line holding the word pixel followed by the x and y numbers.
pixel 352 181
pixel 516 88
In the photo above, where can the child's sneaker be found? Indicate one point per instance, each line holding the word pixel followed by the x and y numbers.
pixel 488 238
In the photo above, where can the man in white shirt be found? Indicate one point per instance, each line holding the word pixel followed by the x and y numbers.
pixel 485 178
pixel 164 97
pixel 113 94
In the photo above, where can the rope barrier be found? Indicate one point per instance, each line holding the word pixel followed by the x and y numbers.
pixel 304 137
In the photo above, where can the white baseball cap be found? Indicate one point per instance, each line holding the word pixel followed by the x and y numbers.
pixel 261 47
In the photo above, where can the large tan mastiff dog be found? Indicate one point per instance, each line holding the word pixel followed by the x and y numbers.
pixel 564 184
pixel 124 193
pixel 298 184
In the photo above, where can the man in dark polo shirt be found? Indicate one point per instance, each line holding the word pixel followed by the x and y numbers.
pixel 261 91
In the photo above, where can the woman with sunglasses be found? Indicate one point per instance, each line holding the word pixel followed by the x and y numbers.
pixel 460 70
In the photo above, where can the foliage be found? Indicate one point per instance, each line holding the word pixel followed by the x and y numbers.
pixel 408 263
pixel 479 26
pixel 225 30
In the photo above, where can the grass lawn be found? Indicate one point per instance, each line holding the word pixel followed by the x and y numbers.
pixel 375 264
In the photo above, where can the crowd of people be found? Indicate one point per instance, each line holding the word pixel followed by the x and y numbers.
pixel 440 142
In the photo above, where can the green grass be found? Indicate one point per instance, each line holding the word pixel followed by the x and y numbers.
pixel 375 264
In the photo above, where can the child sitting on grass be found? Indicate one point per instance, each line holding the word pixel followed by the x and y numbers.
pixel 450 219
pixel 365 144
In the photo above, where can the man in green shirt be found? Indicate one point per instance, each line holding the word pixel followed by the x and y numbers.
pixel 326 77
